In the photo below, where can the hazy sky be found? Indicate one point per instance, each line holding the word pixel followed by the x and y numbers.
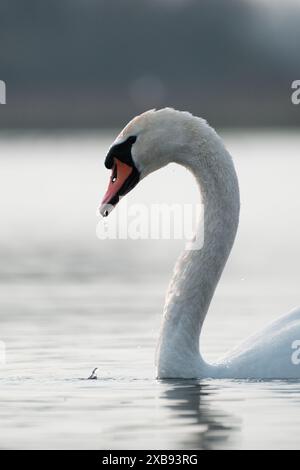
pixel 277 3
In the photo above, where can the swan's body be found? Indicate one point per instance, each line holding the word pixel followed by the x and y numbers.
pixel 161 137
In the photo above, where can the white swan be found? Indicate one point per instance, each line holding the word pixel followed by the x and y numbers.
pixel 149 142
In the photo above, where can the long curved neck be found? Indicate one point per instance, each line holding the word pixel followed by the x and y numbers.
pixel 198 271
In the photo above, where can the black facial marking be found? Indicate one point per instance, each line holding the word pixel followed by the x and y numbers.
pixel 122 152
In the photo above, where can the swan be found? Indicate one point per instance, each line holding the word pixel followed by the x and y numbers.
pixel 149 142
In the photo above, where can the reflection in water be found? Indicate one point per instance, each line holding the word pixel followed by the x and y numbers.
pixel 209 427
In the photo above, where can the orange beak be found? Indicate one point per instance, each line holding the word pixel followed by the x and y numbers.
pixel 121 173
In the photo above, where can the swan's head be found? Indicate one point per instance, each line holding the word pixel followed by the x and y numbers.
pixel 148 142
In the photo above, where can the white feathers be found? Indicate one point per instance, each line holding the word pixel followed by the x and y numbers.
pixel 166 136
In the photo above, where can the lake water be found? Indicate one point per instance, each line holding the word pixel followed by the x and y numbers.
pixel 70 302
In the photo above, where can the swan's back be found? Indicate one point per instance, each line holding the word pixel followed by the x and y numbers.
pixel 273 353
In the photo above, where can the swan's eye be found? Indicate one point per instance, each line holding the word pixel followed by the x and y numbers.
pixel 120 151
pixel 131 140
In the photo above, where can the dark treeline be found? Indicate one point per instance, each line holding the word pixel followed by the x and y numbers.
pixel 93 63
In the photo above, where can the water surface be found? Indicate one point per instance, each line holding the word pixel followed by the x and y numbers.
pixel 70 302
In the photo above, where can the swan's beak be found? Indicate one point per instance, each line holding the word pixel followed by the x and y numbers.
pixel 123 178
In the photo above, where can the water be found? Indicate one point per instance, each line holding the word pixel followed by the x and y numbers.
pixel 70 302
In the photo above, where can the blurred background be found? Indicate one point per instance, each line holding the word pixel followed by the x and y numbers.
pixel 76 71
pixel 76 64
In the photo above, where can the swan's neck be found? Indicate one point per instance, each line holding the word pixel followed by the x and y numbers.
pixel 197 272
